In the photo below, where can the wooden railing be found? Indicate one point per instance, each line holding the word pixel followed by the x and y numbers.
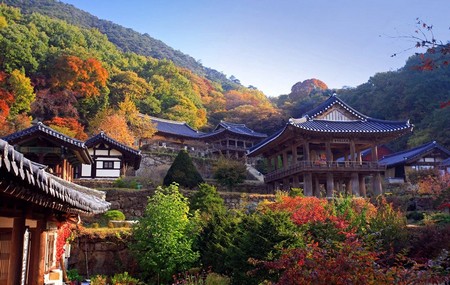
pixel 324 166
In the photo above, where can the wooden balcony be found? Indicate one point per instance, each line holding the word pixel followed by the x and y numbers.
pixel 324 167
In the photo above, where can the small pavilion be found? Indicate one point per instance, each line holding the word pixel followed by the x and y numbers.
pixel 323 150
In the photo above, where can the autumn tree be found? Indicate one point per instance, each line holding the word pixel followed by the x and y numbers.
pixel 68 126
pixel 114 125
pixel 87 78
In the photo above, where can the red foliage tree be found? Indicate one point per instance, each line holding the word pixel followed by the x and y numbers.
pixel 68 126
pixel 85 77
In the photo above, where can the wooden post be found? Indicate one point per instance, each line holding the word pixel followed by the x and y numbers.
pixel 355 184
pixel 296 182
pixel 36 256
pixel 352 151
pixel 330 185
pixel 15 257
pixel 307 178
pixel 316 186
pixel 294 154
pixel 285 160
pixel 329 155
pixel 362 185
pixel 376 184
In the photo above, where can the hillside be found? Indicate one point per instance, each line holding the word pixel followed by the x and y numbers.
pixel 77 81
pixel 124 38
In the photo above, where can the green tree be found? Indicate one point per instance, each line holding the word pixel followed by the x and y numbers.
pixel 183 172
pixel 21 88
pixel 260 236
pixel 229 173
pixel 164 236
pixel 207 200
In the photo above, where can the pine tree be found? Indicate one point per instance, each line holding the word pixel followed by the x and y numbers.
pixel 183 172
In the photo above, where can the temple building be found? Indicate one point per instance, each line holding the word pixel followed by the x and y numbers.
pixel 231 140
pixel 430 155
pixel 61 154
pixel 33 204
pixel 111 158
pixel 323 150
pixel 228 139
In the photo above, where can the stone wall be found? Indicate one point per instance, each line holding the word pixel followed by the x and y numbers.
pixel 107 255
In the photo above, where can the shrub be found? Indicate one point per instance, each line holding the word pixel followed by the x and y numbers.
pixel 73 275
pixel 114 215
pixel 98 280
pixel 217 279
pixel 207 200
pixel 183 172
pixel 123 279
pixel 229 173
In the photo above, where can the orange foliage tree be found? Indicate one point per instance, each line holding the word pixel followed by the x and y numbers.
pixel 114 125
pixel 86 77
pixel 68 126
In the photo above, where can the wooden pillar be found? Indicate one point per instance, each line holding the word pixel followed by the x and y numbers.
pixel 37 251
pixel 376 184
pixel 285 160
pixel 307 181
pixel 374 153
pixel 362 185
pixel 330 185
pixel 296 182
pixel 294 154
pixel 355 184
pixel 348 187
pixel 316 186
pixel 352 151
pixel 306 153
pixel 328 153
pixel 15 257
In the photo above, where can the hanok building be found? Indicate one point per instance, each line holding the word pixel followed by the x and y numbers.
pixel 231 140
pixel 111 158
pixel 427 156
pixel 324 148
pixel 228 139
pixel 32 204
pixel 173 135
pixel 60 153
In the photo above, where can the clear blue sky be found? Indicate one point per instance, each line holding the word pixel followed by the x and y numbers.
pixel 272 44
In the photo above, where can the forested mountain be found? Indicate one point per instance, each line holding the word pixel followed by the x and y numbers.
pixel 79 80
pixel 76 80
pixel 125 39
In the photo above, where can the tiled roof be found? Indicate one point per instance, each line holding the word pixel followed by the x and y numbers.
pixel 368 125
pixel 362 124
pixel 175 128
pixel 133 156
pixel 40 128
pixel 446 162
pixel 411 154
pixel 27 181
pixel 240 129
pixel 329 103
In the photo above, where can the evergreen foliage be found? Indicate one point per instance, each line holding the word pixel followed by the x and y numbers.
pixel 229 173
pixel 183 172
pixel 207 200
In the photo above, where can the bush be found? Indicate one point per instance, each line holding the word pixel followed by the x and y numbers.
pixel 114 215
pixel 183 172
pixel 229 173
pixel 217 279
pixel 123 279
pixel 98 280
pixel 416 216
